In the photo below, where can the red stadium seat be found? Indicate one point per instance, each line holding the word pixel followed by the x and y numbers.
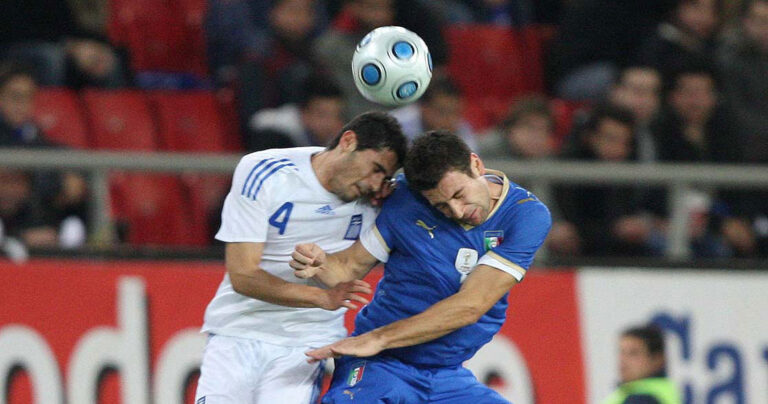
pixel 565 111
pixel 160 35
pixel 230 120
pixel 189 121
pixel 120 120
pixel 206 194
pixel 154 209
pixel 486 61
pixel 59 114
pixel 536 39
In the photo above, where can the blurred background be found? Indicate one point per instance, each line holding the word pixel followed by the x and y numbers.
pixel 643 124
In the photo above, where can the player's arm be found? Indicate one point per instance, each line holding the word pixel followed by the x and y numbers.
pixel 494 275
pixel 309 260
pixel 248 278
pixel 481 290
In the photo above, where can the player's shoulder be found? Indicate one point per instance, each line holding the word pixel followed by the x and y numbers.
pixel 403 196
pixel 522 205
pixel 271 169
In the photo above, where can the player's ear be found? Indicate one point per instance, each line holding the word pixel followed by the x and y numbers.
pixel 348 141
pixel 476 165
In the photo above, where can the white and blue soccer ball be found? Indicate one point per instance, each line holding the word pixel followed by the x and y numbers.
pixel 392 66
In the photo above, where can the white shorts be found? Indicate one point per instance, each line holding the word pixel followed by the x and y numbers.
pixel 246 371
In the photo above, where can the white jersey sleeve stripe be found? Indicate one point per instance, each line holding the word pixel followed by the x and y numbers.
pixel 262 171
pixel 245 183
pixel 373 242
pixel 269 174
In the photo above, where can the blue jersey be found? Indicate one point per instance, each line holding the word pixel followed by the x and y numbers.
pixel 428 255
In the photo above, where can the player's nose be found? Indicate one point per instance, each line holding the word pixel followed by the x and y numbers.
pixel 456 209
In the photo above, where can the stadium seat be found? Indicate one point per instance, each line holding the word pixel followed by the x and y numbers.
pixel 59 114
pixel 120 120
pixel 485 112
pixel 486 61
pixel 189 121
pixel 536 40
pixel 153 209
pixel 230 119
pixel 160 36
pixel 565 112
pixel 206 195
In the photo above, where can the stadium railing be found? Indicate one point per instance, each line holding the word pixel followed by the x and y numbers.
pixel 678 179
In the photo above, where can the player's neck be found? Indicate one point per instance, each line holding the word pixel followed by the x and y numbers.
pixel 322 165
pixel 495 191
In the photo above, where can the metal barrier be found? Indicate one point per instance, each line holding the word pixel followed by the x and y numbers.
pixel 678 179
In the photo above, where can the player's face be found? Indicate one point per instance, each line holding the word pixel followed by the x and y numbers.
pixel 462 197
pixel 362 174
pixel 635 362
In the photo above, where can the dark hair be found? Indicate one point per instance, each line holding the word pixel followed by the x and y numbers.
pixel 651 336
pixel 9 71
pixel 317 86
pixel 434 154
pixel 534 105
pixel 693 66
pixel 378 131
pixel 609 111
pixel 440 85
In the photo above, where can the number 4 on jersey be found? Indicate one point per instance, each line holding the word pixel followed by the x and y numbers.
pixel 280 218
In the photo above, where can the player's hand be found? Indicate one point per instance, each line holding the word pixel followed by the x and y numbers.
pixel 387 187
pixel 361 346
pixel 307 260
pixel 345 294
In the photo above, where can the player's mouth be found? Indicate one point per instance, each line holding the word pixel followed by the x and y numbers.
pixel 473 217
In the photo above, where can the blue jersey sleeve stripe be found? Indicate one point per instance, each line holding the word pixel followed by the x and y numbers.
pixel 274 170
pixel 253 170
pixel 262 171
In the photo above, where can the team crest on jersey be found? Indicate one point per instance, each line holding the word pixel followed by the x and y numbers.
pixel 466 260
pixel 492 238
pixel 355 225
pixel 356 374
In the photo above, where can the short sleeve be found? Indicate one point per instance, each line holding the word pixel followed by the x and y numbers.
pixel 244 217
pixel 379 239
pixel 526 229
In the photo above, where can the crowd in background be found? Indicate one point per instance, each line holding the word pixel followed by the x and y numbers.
pixel 650 81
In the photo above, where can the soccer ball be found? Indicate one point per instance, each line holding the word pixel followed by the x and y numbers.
pixel 392 66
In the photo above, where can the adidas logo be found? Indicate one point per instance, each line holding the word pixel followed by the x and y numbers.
pixel 325 210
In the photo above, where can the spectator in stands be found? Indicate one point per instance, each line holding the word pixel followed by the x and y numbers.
pixel 596 38
pixel 638 89
pixel 527 132
pixel 743 62
pixel 687 33
pixel 262 49
pixel 63 194
pixel 600 220
pixel 697 128
pixel 22 216
pixel 642 365
pixel 440 107
pixel 46 35
pixel 334 49
pixel 312 122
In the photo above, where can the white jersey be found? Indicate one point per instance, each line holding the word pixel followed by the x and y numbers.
pixel 277 199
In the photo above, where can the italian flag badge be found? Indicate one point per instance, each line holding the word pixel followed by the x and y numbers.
pixel 492 238
pixel 356 374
